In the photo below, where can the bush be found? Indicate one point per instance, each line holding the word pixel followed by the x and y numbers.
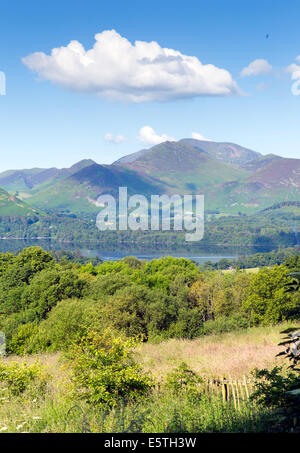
pixel 104 371
pixel 183 379
pixel 19 378
pixel 225 324
pixel 271 387
pixel 20 338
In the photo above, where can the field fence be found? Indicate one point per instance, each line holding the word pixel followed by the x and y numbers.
pixel 231 389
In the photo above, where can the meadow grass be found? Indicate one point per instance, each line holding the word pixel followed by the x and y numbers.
pixel 230 354
pixel 160 412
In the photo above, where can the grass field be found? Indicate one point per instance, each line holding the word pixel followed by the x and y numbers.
pixel 231 355
pixel 235 353
pixel 251 270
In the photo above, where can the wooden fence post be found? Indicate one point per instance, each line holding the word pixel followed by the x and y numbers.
pixel 246 387
pixel 233 392
pixel 225 390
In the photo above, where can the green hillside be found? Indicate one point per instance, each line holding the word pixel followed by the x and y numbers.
pixel 223 151
pixel 247 186
pixel 12 206
pixel 79 192
pixel 233 179
pixel 184 169
pixel 24 181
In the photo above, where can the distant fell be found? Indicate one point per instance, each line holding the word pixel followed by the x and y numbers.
pixel 224 151
pixel 12 206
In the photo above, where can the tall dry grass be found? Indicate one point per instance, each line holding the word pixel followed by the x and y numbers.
pixel 231 354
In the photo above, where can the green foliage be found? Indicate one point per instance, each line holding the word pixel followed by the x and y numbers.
pixel 223 324
pixel 293 263
pixel 217 295
pixel 107 285
pixel 19 378
pixel 20 337
pixel 287 256
pixel 49 287
pixel 272 387
pixel 17 274
pixel 104 371
pixel 45 305
pixel 268 302
pixel 66 324
pixel 183 379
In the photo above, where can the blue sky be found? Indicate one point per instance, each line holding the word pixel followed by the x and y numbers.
pixel 51 117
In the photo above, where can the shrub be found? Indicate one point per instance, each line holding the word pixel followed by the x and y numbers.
pixel 19 378
pixel 20 338
pixel 271 387
pixel 225 324
pixel 183 379
pixel 104 371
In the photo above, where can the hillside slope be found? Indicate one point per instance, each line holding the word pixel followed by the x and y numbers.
pixel 229 153
pixel 12 206
pixel 26 180
pixel 234 179
pixel 79 191
pixel 183 168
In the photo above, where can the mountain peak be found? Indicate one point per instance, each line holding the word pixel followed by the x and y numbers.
pixel 226 152
pixel 81 164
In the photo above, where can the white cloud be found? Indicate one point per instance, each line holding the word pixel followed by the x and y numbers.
pixel 115 138
pixel 294 70
pixel 198 136
pixel 148 136
pixel 115 69
pixel 256 67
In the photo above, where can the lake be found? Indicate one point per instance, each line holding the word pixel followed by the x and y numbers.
pixel 198 253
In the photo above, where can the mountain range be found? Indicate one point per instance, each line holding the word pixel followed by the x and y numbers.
pixel 233 178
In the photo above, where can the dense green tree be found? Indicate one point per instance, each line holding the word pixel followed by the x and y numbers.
pixel 268 302
pixel 49 287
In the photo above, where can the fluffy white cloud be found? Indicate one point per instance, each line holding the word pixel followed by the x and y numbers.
pixel 198 136
pixel 256 67
pixel 148 136
pixel 115 138
pixel 294 70
pixel 116 69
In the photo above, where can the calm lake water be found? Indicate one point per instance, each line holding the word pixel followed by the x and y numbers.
pixel 197 253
